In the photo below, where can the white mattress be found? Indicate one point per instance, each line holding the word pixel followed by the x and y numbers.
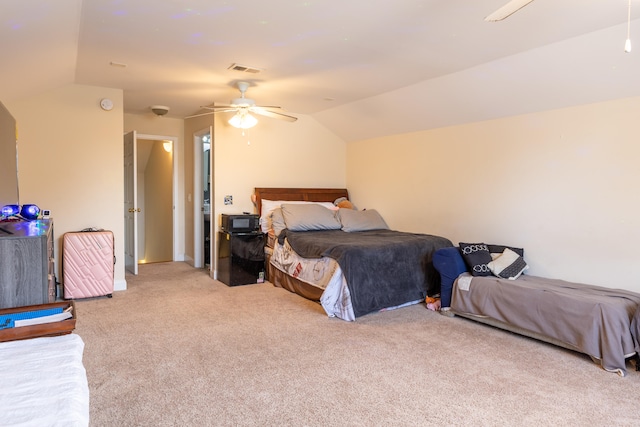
pixel 43 382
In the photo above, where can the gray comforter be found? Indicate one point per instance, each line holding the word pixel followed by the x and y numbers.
pixel 592 319
pixel 383 268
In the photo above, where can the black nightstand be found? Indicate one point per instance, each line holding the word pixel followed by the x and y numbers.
pixel 241 258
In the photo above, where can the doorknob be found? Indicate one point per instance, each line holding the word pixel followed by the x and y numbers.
pixel 131 210
pixel 138 209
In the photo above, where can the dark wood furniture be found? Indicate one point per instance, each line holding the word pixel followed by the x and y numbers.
pixel 27 269
pixel 61 327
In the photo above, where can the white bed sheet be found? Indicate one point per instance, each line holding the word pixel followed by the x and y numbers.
pixel 43 382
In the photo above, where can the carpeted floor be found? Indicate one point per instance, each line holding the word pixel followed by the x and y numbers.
pixel 180 349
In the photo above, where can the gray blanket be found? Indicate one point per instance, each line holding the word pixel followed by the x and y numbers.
pixel 383 268
pixel 593 319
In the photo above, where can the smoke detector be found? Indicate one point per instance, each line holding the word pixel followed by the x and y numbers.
pixel 159 110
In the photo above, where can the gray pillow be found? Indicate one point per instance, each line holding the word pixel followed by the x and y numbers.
pixel 277 221
pixel 361 220
pixel 309 217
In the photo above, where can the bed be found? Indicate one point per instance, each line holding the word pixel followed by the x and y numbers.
pixel 353 268
pixel 43 382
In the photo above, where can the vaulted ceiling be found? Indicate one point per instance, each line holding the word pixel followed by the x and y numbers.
pixel 362 68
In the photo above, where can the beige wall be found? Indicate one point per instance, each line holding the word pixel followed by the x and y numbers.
pixel 561 184
pixel 274 153
pixel 70 160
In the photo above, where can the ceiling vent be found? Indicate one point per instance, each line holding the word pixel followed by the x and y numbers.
pixel 244 68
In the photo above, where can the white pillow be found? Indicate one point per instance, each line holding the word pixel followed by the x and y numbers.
pixel 269 205
pixel 509 265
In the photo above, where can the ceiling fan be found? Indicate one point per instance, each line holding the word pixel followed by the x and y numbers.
pixel 507 10
pixel 244 107
pixel 515 5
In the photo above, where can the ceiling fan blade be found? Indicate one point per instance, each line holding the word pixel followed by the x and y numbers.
pixel 213 111
pixel 268 107
pixel 201 114
pixel 264 112
pixel 226 110
pixel 507 10
pixel 215 107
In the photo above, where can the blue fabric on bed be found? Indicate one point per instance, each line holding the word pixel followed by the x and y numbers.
pixel 450 264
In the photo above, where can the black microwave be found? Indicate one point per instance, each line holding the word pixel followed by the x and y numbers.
pixel 240 223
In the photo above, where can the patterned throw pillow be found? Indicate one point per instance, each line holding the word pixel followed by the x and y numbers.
pixel 509 265
pixel 476 256
pixel 496 250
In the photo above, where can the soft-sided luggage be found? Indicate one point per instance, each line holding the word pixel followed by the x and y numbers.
pixel 87 264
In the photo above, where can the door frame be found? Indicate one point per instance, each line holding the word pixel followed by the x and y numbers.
pixel 198 205
pixel 130 149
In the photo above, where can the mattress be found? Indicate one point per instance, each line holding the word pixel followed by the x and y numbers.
pixel 323 277
pixel 43 382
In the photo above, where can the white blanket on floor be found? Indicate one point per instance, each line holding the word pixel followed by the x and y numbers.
pixel 43 382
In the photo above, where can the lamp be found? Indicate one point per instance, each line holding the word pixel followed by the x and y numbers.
pixel 30 212
pixel 167 146
pixel 243 120
pixel 9 210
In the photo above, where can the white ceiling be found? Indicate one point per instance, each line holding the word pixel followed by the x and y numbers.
pixel 416 63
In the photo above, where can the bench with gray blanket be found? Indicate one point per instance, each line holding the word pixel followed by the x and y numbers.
pixel 589 319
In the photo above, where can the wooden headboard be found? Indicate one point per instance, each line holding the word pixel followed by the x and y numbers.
pixel 306 194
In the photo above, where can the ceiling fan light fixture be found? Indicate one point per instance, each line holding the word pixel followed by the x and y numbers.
pixel 243 120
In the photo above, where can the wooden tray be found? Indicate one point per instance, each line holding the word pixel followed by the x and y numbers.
pixel 42 330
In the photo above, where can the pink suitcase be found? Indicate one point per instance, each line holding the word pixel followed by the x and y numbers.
pixel 87 264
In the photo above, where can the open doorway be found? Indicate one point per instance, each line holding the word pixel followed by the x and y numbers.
pixel 150 219
pixel 155 197
pixel 202 200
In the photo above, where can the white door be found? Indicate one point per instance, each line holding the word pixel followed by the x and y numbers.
pixel 130 208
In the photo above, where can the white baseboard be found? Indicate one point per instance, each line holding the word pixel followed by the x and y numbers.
pixel 120 285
